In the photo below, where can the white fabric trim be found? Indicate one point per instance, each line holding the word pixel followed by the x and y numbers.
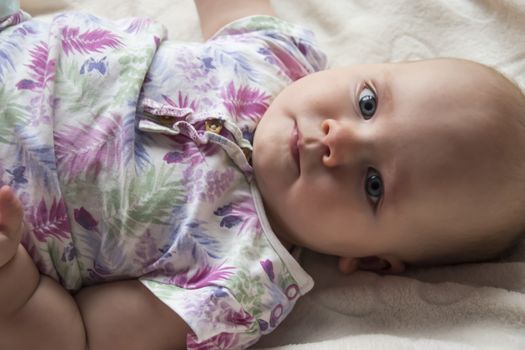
pixel 303 279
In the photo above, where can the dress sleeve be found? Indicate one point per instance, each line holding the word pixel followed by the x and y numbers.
pixel 217 319
pixel 10 14
pixel 292 48
pixel 8 7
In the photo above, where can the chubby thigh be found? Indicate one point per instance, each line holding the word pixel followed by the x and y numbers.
pixel 36 312
pixel 125 315
pixel 115 315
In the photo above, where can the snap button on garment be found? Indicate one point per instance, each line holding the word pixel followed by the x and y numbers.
pixel 214 125
pixel 171 120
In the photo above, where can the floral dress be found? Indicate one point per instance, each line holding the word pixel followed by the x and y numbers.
pixel 131 157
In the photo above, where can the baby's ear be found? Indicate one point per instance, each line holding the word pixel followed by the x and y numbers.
pixel 381 264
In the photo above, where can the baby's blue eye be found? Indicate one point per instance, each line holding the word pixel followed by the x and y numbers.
pixel 374 185
pixel 367 103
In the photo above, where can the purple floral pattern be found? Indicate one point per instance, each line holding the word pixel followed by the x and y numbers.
pixel 240 215
pixel 244 102
pixel 94 146
pixel 105 199
pixel 41 67
pixel 89 41
pixel 50 223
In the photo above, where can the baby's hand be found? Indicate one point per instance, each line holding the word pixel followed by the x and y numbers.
pixel 11 216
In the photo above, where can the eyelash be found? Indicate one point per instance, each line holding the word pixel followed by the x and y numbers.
pixel 367 86
pixel 370 172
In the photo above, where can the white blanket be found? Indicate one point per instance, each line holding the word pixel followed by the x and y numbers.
pixel 474 306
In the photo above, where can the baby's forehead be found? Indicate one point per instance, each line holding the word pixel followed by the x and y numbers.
pixel 465 73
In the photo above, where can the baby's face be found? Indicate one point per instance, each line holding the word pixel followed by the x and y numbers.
pixel 373 160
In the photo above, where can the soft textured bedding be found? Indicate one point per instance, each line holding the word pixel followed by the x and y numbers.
pixel 471 306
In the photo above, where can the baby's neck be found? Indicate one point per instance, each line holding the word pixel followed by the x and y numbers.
pixel 279 229
pixel 286 244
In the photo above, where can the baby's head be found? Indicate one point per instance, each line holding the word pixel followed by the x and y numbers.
pixel 419 163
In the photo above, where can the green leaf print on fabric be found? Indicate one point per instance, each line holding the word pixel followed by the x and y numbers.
pixel 67 273
pixel 248 290
pixel 12 114
pixel 78 90
pixel 131 75
pixel 148 199
pixel 253 251
pixel 163 291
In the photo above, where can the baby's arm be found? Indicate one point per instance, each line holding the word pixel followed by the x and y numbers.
pixel 214 14
pixel 35 312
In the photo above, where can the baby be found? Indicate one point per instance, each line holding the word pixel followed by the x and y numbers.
pixel 136 214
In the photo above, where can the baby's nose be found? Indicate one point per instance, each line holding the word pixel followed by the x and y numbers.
pixel 343 142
